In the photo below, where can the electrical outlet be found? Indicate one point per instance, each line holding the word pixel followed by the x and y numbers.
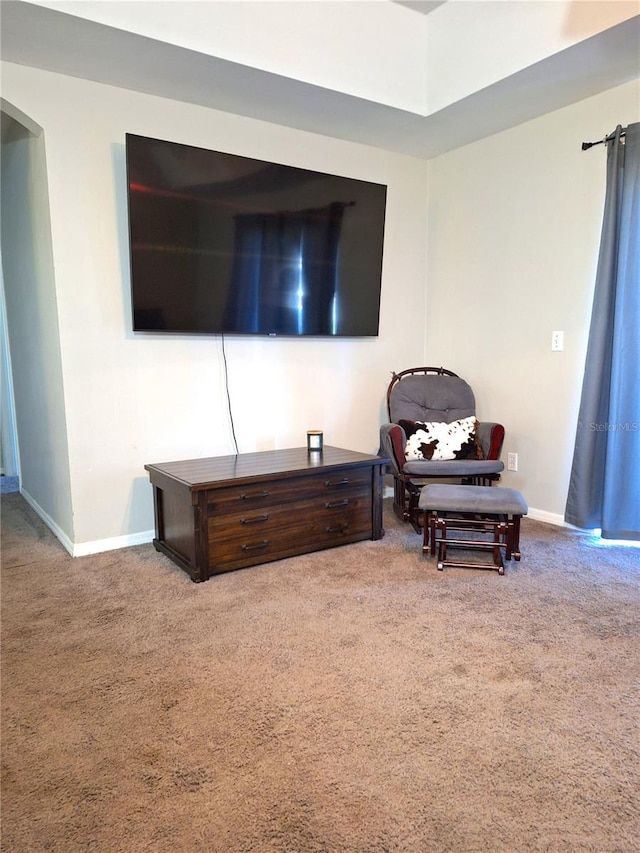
pixel 512 461
pixel 557 341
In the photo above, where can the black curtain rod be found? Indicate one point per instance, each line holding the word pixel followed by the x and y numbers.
pixel 587 145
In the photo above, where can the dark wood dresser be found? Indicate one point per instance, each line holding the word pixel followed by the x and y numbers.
pixel 228 512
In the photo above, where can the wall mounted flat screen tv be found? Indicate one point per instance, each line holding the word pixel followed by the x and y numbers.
pixel 226 244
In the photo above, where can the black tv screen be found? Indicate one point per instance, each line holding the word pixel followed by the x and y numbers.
pixel 226 244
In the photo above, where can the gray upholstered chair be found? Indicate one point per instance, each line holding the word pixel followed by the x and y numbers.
pixel 436 396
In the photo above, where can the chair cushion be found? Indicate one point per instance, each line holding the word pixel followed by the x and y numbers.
pixel 431 398
pixel 422 470
pixel 495 500
pixel 439 440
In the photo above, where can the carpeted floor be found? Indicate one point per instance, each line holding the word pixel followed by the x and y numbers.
pixel 351 700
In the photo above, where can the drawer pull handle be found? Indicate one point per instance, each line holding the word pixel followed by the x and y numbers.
pixel 250 497
pixel 339 528
pixel 256 546
pixel 336 504
pixel 255 520
pixel 331 485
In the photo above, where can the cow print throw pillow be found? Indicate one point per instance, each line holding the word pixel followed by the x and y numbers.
pixel 438 441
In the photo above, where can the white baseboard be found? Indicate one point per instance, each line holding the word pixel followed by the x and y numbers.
pixel 84 549
pixel 51 524
pixel 97 546
pixel 548 517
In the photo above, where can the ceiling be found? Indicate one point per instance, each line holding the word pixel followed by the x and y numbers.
pixel 422 6
pixel 59 41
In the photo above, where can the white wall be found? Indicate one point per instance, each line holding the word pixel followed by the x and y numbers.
pixel 514 230
pixel 131 399
pixel 513 235
pixel 32 321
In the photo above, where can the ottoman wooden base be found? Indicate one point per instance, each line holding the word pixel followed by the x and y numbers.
pixel 491 511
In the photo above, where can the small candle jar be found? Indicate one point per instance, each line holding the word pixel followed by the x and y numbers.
pixel 314 440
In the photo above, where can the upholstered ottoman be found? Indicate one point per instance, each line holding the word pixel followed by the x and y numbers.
pixel 481 510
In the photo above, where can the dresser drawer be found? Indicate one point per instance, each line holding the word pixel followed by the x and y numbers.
pixel 285 532
pixel 244 499
pixel 250 518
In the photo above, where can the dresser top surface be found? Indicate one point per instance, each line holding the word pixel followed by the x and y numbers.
pixel 222 470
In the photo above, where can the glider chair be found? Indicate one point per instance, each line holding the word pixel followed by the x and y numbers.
pixel 433 433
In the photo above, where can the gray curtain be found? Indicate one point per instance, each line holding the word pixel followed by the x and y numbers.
pixel 604 490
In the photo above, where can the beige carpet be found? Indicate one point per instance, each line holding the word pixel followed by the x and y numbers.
pixel 351 700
